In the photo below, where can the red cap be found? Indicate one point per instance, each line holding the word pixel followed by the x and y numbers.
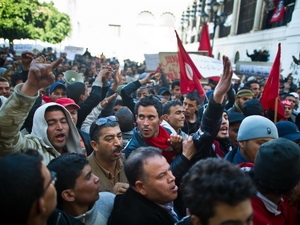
pixel 66 102
pixel 286 103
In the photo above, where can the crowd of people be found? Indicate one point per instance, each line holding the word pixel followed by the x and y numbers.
pixel 112 146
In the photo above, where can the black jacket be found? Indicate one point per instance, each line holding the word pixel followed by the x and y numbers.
pixel 134 209
pixel 59 217
pixel 96 96
pixel 210 126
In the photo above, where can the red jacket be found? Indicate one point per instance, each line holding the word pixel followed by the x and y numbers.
pixel 262 216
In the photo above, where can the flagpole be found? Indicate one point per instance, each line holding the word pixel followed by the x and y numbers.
pixel 276 109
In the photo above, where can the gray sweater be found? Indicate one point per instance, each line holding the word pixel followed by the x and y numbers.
pixel 99 213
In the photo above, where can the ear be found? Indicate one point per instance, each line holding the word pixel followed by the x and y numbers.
pixel 195 220
pixel 37 208
pixel 94 145
pixel 242 144
pixel 165 117
pixel 140 188
pixel 81 98
pixel 68 195
pixel 161 119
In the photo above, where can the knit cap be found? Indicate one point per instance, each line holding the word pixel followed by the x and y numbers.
pixel 244 92
pixel 256 126
pixel 277 165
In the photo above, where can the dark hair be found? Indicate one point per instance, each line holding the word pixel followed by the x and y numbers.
pixel 211 181
pixel 68 168
pixel 134 165
pixel 16 77
pixel 175 83
pixel 126 119
pixel 150 100
pixel 52 108
pixel 194 96
pixel 75 90
pixel 2 79
pixel 119 102
pixel 248 84
pixel 22 183
pixel 169 104
pixel 95 130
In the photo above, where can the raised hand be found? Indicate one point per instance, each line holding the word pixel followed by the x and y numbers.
pixel 225 81
pixel 40 75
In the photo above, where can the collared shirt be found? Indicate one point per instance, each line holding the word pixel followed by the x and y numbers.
pixel 170 209
pixel 270 206
pixel 107 179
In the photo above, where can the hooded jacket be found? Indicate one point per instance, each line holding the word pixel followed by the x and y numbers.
pixel 12 116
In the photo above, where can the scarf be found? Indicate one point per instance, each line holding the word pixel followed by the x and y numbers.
pixel 161 142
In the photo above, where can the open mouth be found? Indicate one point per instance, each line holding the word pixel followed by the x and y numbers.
pixel 60 137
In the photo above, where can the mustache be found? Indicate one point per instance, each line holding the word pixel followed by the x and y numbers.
pixel 118 149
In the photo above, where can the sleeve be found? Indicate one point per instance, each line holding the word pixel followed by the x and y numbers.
pixel 87 106
pixel 126 94
pixel 210 125
pixel 12 116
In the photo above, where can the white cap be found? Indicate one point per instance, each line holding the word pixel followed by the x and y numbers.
pixel 295 94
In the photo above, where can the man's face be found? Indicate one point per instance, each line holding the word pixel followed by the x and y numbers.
pixel 108 147
pixel 206 88
pixel 255 89
pixel 148 121
pixel 58 129
pixel 159 185
pixel 190 107
pixel 241 213
pixel 141 93
pixel 241 100
pixel 249 148
pixel 4 89
pixel 49 191
pixel 129 71
pixel 176 117
pixel 58 93
pixel 233 132
pixel 288 111
pixel 73 112
pixel 176 92
pixel 167 95
pixel 223 132
pixel 86 188
pixel 86 94
pixel 292 99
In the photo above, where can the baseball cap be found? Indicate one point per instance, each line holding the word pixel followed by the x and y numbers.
pixel 235 117
pixel 164 90
pixel 56 85
pixel 67 102
pixel 288 130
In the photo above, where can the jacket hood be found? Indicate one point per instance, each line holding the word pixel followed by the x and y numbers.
pixel 40 127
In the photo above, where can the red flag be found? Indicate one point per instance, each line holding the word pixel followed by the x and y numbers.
pixel 278 12
pixel 189 74
pixel 270 95
pixel 204 43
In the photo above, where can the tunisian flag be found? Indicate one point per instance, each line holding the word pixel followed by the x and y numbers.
pixel 270 96
pixel 189 75
pixel 204 42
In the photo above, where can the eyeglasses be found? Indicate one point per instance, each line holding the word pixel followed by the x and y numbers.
pixel 53 179
pixel 101 121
